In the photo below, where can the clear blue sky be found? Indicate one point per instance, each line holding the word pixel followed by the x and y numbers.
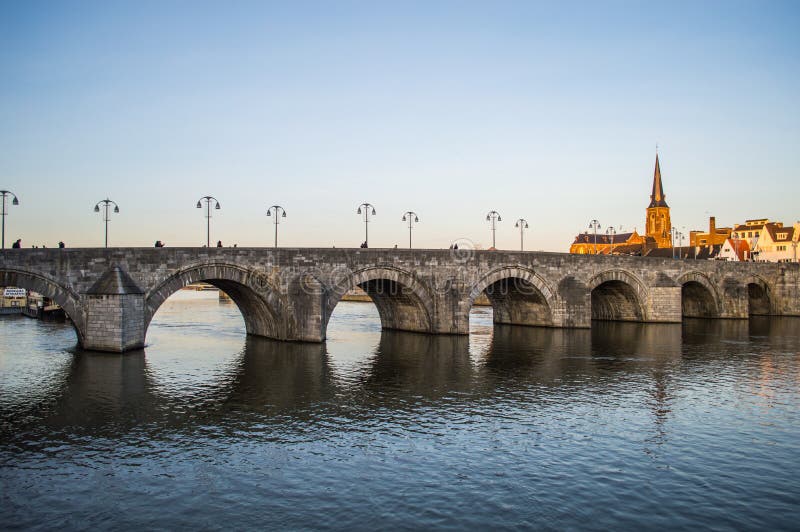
pixel 548 111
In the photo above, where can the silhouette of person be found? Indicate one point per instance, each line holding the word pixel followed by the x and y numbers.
pixel 61 245
pixel 219 243
pixel 17 244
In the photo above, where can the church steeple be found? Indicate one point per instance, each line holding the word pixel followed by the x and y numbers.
pixel 657 197
pixel 658 223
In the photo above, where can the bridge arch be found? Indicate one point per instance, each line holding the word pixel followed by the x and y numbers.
pixel 519 296
pixel 759 296
pixel 260 300
pixel 699 296
pixel 403 301
pixel 617 295
pixel 64 297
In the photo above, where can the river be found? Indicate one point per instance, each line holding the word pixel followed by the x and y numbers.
pixel 621 426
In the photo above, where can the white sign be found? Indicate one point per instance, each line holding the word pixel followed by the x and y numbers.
pixel 14 292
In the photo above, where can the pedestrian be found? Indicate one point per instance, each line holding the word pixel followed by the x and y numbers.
pixel 61 245
pixel 17 244
pixel 219 243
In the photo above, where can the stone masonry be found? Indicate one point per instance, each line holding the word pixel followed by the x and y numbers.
pixel 111 295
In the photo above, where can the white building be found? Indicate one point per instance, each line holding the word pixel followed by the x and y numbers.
pixel 735 249
pixel 777 243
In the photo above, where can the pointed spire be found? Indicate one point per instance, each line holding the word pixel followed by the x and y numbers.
pixel 657 197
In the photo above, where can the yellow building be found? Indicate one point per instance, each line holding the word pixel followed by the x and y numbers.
pixel 619 244
pixel 658 223
pixel 714 237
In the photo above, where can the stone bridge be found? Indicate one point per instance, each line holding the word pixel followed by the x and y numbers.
pixel 111 295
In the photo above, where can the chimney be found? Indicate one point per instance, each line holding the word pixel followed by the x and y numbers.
pixel 712 227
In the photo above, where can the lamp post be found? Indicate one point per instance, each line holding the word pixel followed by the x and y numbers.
pixel 610 231
pixel 280 212
pixel 522 224
pixel 494 217
pixel 411 217
pixel 673 236
pixel 14 201
pixel 595 225
pixel 208 199
pixel 106 214
pixel 368 208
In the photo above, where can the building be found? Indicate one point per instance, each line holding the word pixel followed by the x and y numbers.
pixel 777 243
pixel 657 233
pixel 658 223
pixel 13 300
pixel 714 237
pixel 619 244
pixel 735 249
pixel 751 230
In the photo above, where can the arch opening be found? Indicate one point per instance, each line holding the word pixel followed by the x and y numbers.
pixel 262 310
pixel 398 307
pixel 616 300
pixel 697 301
pixel 758 300
pixel 401 303
pixel 517 301
pixel 62 296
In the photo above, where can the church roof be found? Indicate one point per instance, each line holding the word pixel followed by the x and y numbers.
pixel 657 198
pixel 588 238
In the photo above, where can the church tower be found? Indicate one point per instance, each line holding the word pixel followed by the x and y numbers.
pixel 658 222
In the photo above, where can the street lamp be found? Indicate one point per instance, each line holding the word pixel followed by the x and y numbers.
pixel 611 232
pixel 522 224
pixel 367 209
pixel 674 234
pixel 208 199
pixel 106 214
pixel 15 201
pixel 595 225
pixel 494 217
pixel 279 213
pixel 411 217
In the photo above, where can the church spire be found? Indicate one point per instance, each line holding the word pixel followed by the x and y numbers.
pixel 657 197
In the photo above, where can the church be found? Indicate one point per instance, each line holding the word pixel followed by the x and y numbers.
pixel 657 229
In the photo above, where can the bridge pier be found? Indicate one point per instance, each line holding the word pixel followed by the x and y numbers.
pixel 114 314
pixel 664 305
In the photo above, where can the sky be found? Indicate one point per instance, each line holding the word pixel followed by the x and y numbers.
pixel 548 111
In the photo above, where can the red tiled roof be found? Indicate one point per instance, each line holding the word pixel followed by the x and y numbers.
pixel 740 247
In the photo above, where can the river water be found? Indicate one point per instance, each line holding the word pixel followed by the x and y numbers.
pixel 621 426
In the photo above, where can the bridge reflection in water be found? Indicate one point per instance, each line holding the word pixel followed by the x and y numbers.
pixel 508 425
pixel 277 382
